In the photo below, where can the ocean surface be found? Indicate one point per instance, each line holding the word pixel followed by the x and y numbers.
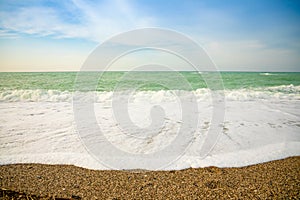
pixel 37 124
pixel 64 81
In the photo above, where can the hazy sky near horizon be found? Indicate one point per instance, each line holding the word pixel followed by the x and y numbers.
pixel 247 35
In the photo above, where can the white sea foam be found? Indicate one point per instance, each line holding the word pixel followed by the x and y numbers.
pixel 260 125
pixel 284 92
pixel 268 74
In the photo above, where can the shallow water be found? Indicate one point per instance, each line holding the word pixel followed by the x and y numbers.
pixel 261 121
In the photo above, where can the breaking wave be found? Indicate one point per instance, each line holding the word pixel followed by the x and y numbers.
pixel 284 92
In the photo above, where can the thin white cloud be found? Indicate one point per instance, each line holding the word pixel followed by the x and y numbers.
pixel 8 34
pixel 98 21
pixel 40 21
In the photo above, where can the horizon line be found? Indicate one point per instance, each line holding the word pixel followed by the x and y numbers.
pixel 148 71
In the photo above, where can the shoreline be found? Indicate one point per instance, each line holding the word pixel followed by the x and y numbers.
pixel 275 179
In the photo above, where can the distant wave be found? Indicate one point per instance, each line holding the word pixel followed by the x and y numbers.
pixel 267 74
pixel 288 92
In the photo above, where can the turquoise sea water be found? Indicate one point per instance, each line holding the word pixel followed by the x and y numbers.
pixel 64 81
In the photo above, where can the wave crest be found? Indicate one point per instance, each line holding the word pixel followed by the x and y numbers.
pixel 284 92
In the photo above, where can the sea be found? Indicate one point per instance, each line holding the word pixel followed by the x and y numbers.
pixel 64 81
pixel 38 122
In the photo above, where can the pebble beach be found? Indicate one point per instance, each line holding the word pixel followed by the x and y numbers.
pixel 278 179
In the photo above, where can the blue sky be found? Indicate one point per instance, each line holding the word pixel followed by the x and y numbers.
pixel 247 35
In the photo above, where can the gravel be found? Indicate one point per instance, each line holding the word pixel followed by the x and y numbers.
pixel 272 180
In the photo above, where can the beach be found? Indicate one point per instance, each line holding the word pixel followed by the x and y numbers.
pixel 113 99
pixel 278 179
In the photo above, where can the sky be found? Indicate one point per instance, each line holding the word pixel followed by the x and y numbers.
pixel 247 35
